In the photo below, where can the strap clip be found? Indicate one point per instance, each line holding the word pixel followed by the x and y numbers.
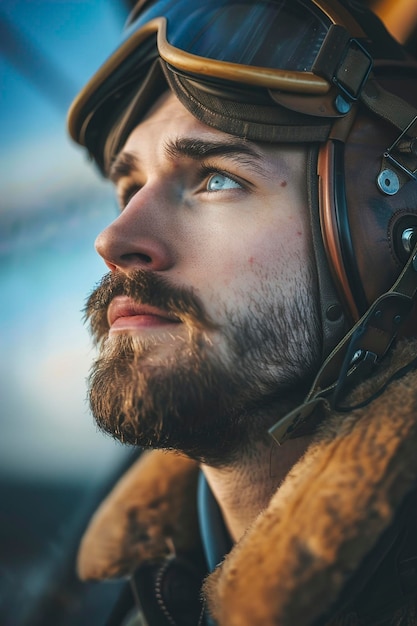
pixel 346 64
pixel 405 160
pixel 353 70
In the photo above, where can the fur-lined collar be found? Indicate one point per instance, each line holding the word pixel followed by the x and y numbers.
pixel 293 564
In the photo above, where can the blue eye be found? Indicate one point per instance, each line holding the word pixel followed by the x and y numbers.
pixel 219 182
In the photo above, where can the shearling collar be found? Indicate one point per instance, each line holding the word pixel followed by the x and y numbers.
pixel 292 566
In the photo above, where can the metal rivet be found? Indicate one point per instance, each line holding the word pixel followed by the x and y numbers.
pixel 378 314
pixel 333 312
pixel 358 355
pixel 407 239
pixel 342 105
pixel 397 320
pixel 388 182
pixel 414 262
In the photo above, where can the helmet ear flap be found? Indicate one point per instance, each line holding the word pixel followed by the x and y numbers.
pixel 368 234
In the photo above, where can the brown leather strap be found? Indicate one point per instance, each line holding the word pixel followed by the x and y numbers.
pixel 387 105
pixel 343 61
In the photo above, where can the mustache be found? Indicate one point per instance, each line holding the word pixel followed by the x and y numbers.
pixel 147 288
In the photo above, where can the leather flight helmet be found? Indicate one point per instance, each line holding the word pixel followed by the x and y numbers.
pixel 324 73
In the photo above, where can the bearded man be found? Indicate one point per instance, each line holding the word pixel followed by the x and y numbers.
pixel 262 280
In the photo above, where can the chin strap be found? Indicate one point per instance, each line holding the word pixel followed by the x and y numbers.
pixel 357 355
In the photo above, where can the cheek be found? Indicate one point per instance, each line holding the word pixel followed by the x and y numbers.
pixel 240 258
pixel 232 244
pixel 274 245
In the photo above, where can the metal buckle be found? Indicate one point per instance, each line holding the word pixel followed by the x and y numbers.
pixel 395 146
pixel 350 95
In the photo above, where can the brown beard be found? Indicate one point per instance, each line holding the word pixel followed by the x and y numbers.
pixel 193 400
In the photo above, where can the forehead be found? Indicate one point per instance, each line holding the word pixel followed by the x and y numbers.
pixel 168 122
pixel 166 117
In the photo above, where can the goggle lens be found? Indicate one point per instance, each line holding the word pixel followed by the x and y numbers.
pixel 270 34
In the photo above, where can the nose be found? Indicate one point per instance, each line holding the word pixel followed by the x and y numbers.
pixel 137 239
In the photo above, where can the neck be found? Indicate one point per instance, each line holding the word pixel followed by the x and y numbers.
pixel 244 489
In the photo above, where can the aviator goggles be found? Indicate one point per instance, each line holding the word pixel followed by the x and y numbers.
pixel 285 48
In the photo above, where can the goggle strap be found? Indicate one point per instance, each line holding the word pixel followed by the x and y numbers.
pixel 388 106
pixel 344 62
pixel 331 52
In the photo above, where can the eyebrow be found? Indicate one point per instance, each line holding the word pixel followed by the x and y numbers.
pixel 240 151
pixel 123 165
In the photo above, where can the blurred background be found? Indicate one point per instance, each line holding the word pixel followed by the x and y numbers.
pixel 54 464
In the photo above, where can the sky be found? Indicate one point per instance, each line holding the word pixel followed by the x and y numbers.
pixel 52 206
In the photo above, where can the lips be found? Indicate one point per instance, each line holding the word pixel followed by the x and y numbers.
pixel 124 314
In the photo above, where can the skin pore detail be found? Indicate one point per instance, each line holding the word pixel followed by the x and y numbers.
pixel 211 293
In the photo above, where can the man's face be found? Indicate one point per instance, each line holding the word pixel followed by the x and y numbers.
pixel 207 322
